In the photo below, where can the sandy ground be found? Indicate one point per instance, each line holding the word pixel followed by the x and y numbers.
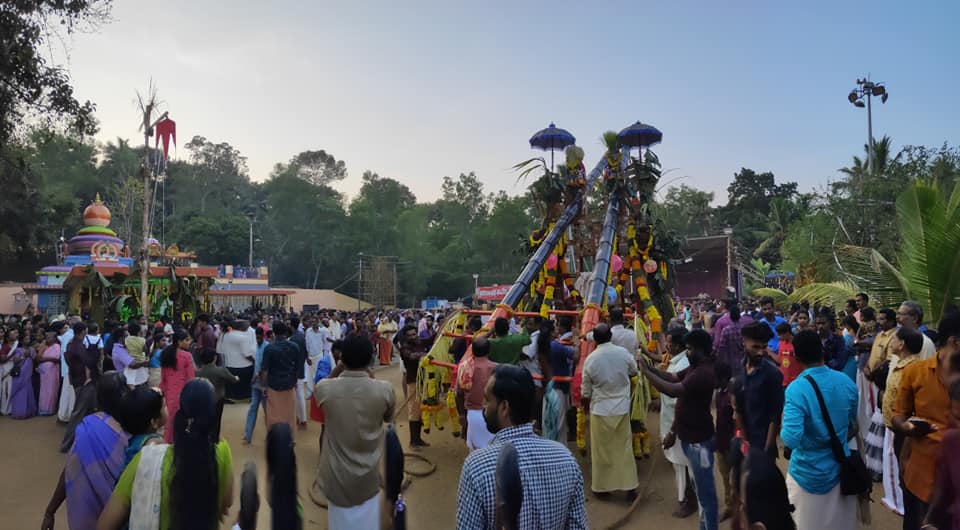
pixel 30 466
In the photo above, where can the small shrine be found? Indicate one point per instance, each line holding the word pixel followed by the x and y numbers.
pixel 97 277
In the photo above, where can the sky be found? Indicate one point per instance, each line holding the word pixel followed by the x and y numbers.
pixel 420 90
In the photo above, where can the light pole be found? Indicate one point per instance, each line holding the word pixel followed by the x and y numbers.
pixel 359 280
pixel 251 218
pixel 866 87
pixel 476 284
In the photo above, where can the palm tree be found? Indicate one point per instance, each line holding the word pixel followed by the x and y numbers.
pixel 858 174
pixel 928 264
pixel 782 213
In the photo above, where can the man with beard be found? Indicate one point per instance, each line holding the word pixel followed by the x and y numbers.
pixel 550 477
pixel 693 424
pixel 759 392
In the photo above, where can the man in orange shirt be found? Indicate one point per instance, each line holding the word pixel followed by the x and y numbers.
pixel 921 413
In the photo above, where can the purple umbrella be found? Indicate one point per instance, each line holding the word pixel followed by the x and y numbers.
pixel 551 139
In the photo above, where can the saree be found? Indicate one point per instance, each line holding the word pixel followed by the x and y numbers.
pixel 23 402
pixel 49 380
pixel 93 466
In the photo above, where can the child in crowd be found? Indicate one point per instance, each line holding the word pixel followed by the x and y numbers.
pixel 220 377
pixel 789 366
pixel 143 415
pixel 249 499
pixel 287 514
pixel 159 343
pixel 137 372
pixel 762 492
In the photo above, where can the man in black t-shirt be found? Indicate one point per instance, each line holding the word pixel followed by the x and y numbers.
pixel 278 376
pixel 693 423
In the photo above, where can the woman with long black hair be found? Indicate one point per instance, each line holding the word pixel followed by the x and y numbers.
pixel 282 476
pixel 187 486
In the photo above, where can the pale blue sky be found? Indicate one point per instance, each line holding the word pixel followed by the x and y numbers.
pixel 418 90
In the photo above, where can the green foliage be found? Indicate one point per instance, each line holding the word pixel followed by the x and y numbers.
pixel 808 247
pixel 31 87
pixel 318 167
pixel 930 258
pixel 687 211
pixel 216 239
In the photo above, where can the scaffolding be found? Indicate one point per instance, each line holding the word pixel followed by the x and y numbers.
pixel 377 280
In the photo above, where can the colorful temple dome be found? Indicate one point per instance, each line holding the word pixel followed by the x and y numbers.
pixel 96 214
pixel 96 218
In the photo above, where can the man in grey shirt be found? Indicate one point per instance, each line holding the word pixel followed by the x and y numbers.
pixel 355 406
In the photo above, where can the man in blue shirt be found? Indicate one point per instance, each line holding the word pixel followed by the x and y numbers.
pixel 771 319
pixel 256 397
pixel 813 481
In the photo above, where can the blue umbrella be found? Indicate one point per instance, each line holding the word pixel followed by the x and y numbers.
pixel 640 135
pixel 551 139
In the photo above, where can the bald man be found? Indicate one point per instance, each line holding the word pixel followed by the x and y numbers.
pixel 606 395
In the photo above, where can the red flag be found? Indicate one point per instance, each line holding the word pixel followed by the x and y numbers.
pixel 166 129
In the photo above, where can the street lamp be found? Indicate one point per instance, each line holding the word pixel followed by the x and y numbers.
pixel 867 88
pixel 476 284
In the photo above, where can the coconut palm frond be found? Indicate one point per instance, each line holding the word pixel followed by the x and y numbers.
pixel 529 166
pixel 610 140
pixel 869 271
pixel 780 298
pixel 833 294
pixel 930 256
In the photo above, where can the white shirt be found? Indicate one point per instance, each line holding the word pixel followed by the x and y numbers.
pixel 90 340
pixel 928 350
pixel 335 329
pixel 317 343
pixel 625 338
pixel 606 379
pixel 235 346
pixel 530 360
pixel 64 342
pixel 668 407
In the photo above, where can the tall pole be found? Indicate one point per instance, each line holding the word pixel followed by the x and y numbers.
pixel 869 136
pixel 360 281
pixel 250 256
pixel 144 254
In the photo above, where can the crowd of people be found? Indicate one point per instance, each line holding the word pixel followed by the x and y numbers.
pixel 870 396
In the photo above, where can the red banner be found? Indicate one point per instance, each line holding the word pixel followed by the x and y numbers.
pixel 492 292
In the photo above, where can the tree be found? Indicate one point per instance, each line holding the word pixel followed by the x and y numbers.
pixel 748 204
pixel 318 167
pixel 217 239
pixel 687 211
pixel 125 201
pixel 214 178
pixel 31 86
pixel 374 212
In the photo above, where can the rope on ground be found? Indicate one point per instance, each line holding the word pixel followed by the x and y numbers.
pixel 641 495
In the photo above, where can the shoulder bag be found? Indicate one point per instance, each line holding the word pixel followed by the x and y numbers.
pixel 854 477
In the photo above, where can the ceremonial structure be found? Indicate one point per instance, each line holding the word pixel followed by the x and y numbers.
pixel 599 245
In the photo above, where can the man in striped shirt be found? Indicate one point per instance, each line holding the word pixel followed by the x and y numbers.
pixel 551 479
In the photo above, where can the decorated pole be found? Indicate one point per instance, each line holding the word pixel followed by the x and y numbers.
pixel 597 286
pixel 536 262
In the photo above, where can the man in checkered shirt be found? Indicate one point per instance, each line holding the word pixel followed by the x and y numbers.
pixel 551 478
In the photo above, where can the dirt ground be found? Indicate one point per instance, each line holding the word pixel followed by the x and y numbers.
pixel 30 466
